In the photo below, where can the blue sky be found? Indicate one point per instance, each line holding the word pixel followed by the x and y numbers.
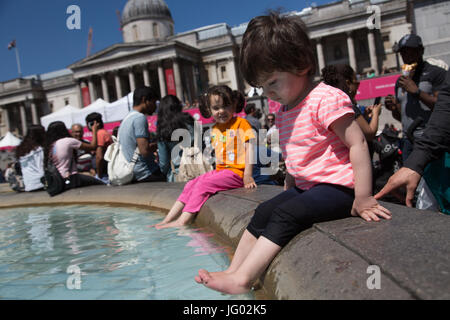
pixel 46 44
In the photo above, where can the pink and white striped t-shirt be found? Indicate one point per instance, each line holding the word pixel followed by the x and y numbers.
pixel 313 153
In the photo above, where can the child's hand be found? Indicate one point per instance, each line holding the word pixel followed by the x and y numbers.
pixel 369 209
pixel 249 183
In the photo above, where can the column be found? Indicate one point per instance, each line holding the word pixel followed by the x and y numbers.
pixel 118 85
pixel 372 51
pixel 105 88
pixel 162 80
pixel 23 118
pixel 320 56
pixel 5 116
pixel 234 83
pixel 146 76
pixel 34 114
pixel 131 79
pixel 80 95
pixel 351 51
pixel 213 75
pixel 177 76
pixel 194 77
pixel 92 94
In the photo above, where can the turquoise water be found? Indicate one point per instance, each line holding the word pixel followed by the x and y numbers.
pixel 100 252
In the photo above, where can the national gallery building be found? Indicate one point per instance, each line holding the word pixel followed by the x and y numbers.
pixel 187 63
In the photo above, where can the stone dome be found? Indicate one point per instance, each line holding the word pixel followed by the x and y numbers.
pixel 145 9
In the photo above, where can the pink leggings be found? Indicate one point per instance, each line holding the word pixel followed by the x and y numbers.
pixel 198 190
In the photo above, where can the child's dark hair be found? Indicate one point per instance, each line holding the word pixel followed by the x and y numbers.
pixel 275 43
pixel 229 97
pixel 336 76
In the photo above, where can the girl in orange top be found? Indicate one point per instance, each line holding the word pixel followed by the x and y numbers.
pixel 230 138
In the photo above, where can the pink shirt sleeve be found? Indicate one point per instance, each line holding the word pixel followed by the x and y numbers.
pixel 334 106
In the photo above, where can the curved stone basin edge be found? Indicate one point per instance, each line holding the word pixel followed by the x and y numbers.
pixel 407 257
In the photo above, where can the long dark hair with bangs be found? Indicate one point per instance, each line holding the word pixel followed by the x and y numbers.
pixel 34 138
pixel 229 97
pixel 55 131
pixel 171 117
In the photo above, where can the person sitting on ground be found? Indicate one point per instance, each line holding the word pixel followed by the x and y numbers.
pixel 134 134
pixel 250 111
pixel 343 77
pixel 84 158
pixel 170 118
pixel 326 154
pixel 230 138
pixel 103 141
pixel 61 149
pixel 30 154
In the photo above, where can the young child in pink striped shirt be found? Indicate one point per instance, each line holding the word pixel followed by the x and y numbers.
pixel 329 170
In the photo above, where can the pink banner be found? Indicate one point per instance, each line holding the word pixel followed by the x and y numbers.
pixel 170 82
pixel 86 96
pixel 377 87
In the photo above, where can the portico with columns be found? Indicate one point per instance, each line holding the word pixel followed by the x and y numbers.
pixel 342 33
pixel 116 71
pixel 21 103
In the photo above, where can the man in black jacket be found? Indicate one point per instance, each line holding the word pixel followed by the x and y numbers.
pixel 430 146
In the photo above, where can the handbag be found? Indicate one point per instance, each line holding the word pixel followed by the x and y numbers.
pixel 192 165
pixel 120 171
pixel 52 180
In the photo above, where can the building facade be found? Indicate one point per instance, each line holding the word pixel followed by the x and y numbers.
pixel 186 64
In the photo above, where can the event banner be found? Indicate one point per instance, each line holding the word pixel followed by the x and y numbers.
pixel 170 82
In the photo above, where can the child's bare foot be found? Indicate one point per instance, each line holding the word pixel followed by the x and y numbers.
pixel 229 283
pixel 174 224
pixel 157 225
pixel 199 280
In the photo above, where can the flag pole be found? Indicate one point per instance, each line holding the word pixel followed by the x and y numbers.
pixel 18 62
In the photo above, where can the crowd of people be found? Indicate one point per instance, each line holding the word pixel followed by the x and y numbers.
pixel 322 137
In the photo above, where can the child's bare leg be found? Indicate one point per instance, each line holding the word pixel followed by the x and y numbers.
pixel 241 280
pixel 244 247
pixel 184 219
pixel 174 212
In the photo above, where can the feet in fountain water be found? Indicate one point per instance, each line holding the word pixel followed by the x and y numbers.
pixel 226 282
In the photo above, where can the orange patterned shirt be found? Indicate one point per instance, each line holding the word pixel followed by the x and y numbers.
pixel 229 141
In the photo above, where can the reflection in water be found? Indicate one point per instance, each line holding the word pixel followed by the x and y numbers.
pixel 117 255
pixel 202 242
pixel 40 235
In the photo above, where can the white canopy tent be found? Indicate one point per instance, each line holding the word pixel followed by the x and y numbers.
pixel 119 109
pixel 111 112
pixel 65 115
pixel 97 106
pixel 9 141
